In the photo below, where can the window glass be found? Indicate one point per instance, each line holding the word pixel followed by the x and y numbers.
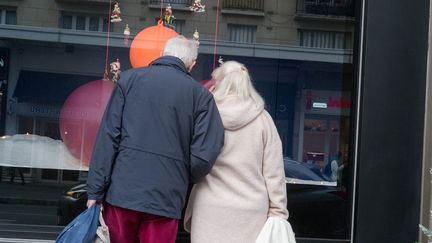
pixel 298 52
pixel 242 33
pixel 80 23
pixel 94 24
pixel 11 17
pixel 179 26
pixel 105 25
pixel 67 22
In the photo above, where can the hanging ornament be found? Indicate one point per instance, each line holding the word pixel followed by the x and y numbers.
pixel 197 7
pixel 80 117
pixel 220 61
pixel 116 13
pixel 196 36
pixel 126 33
pixel 169 17
pixel 149 44
pixel 115 70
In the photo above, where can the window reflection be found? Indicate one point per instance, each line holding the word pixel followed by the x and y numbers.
pixel 298 54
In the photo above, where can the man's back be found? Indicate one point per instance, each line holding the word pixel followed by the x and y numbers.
pixel 160 121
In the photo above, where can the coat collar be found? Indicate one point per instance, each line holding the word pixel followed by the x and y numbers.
pixel 170 61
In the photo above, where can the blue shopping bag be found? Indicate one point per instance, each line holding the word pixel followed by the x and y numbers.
pixel 83 228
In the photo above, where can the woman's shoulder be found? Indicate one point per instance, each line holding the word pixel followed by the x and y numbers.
pixel 266 117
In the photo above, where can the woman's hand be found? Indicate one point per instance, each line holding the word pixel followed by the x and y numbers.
pixel 90 203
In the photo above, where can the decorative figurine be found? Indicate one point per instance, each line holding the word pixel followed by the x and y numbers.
pixel 196 36
pixel 115 70
pixel 169 17
pixel 116 13
pixel 126 33
pixel 220 61
pixel 197 7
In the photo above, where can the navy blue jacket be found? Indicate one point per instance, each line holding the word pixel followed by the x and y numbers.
pixel 161 129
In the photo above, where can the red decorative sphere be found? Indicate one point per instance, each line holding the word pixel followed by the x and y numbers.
pixel 148 44
pixel 81 115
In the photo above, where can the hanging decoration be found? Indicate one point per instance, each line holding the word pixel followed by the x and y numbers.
pixel 115 70
pixel 196 36
pixel 216 34
pixel 148 44
pixel 220 61
pixel 169 17
pixel 126 33
pixel 81 115
pixel 197 7
pixel 116 13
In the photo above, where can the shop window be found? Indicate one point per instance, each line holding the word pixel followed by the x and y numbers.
pixel 325 39
pixel 242 33
pixel 8 16
pixel 84 22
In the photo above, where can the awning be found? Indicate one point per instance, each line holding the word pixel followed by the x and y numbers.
pixel 47 88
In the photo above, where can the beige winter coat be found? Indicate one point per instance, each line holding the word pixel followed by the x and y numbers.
pixel 247 182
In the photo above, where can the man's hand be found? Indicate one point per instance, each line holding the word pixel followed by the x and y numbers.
pixel 90 203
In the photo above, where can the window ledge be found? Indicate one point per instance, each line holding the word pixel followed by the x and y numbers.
pixel 173 6
pixel 243 12
pixel 304 16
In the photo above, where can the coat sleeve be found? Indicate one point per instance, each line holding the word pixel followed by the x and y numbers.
pixel 273 170
pixel 207 140
pixel 106 146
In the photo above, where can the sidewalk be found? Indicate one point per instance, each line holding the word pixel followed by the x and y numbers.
pixel 31 193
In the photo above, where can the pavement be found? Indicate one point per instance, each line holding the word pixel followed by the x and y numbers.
pixel 23 197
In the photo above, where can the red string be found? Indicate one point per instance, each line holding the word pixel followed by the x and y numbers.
pixel 107 42
pixel 216 35
pixel 160 17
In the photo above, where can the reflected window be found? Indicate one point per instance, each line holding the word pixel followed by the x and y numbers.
pixel 8 16
pixel 179 26
pixel 242 33
pixel 83 22
pixel 325 39
pixel 174 3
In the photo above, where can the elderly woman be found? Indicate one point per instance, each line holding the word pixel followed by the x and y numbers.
pixel 247 183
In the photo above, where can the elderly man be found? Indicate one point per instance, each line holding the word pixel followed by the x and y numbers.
pixel 161 130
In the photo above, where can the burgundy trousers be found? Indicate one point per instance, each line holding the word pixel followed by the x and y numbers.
pixel 127 226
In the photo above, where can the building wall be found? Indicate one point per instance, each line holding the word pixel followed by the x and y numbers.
pixel 276 24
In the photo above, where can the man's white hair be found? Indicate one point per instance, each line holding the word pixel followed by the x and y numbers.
pixel 183 48
pixel 232 78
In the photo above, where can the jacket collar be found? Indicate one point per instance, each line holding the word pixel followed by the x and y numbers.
pixel 170 61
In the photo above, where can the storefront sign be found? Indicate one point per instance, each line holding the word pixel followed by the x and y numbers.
pixel 323 102
pixel 28 109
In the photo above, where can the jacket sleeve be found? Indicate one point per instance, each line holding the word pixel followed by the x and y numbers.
pixel 207 140
pixel 106 146
pixel 273 170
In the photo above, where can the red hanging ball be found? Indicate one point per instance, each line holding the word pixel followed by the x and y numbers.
pixel 148 44
pixel 81 115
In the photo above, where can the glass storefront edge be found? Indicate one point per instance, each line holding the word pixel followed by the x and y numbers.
pixel 307 91
pixel 310 102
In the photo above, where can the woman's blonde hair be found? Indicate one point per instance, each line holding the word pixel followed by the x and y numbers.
pixel 232 78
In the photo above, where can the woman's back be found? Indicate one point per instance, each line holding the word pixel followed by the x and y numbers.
pixel 246 184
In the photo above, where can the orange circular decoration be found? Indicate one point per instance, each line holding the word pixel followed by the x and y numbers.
pixel 149 44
